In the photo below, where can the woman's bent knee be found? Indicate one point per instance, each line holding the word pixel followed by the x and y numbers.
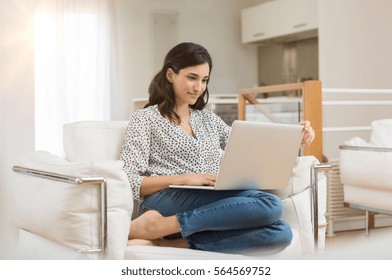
pixel 285 233
pixel 275 206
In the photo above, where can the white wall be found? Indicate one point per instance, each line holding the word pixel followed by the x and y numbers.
pixel 16 99
pixel 213 24
pixel 355 46
pixel 355 43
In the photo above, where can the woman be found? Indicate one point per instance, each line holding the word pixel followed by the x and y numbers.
pixel 175 140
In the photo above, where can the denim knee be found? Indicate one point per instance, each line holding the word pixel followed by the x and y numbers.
pixel 277 202
pixel 275 205
pixel 285 234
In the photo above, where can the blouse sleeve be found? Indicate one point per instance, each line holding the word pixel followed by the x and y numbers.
pixel 135 152
pixel 222 128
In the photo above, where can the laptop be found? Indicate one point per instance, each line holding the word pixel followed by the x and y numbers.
pixel 257 156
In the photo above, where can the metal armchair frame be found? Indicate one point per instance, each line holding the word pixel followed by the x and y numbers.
pixel 100 181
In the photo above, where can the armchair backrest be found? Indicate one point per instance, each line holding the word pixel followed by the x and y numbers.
pixel 381 135
pixel 86 141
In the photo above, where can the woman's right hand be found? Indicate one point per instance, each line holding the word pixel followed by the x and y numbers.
pixel 154 184
pixel 203 179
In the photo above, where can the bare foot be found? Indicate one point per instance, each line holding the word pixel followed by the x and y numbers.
pixel 140 242
pixel 178 243
pixel 151 225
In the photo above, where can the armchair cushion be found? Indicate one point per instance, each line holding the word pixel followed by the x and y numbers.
pixel 365 172
pixel 357 165
pixel 92 140
pixel 381 135
pixel 69 214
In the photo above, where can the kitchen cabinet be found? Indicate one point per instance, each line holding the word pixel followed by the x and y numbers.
pixel 290 19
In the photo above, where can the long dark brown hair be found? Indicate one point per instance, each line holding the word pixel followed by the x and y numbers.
pixel 161 90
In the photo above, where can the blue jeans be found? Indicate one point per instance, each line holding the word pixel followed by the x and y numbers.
pixel 225 221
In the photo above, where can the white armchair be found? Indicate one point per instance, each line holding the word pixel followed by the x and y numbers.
pixel 80 206
pixel 365 171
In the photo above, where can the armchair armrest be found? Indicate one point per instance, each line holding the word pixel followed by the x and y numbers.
pixel 366 166
pixel 305 176
pixel 100 181
pixel 367 149
pixel 62 202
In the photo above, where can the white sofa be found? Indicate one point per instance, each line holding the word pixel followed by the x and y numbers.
pixel 365 170
pixel 80 206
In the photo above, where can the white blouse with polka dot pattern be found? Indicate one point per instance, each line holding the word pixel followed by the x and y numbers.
pixel 156 147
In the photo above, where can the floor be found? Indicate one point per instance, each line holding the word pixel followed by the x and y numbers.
pixel 356 245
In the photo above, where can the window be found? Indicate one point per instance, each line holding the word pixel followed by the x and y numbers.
pixel 72 68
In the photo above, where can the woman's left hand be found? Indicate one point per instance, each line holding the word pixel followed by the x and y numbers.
pixel 309 133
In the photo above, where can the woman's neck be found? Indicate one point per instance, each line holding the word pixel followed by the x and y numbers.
pixel 182 111
pixel 185 117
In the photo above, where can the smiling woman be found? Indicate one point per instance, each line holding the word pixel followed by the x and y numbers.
pixel 72 66
pixel 175 140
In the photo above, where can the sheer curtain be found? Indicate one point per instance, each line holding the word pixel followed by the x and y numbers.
pixel 73 62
